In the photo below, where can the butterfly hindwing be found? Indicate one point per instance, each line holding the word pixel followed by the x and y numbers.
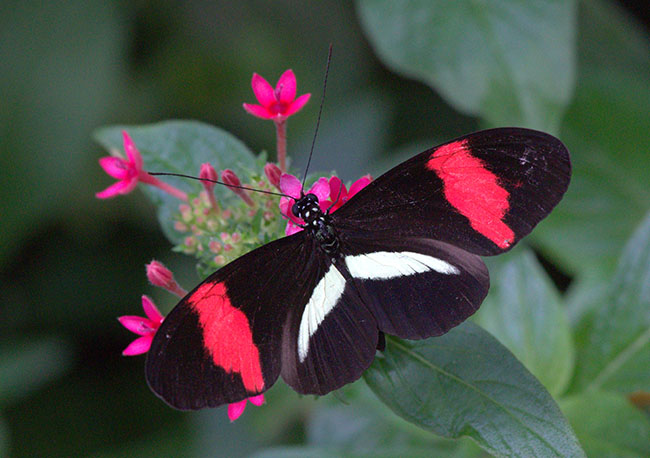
pixel 482 192
pixel 331 340
pixel 415 288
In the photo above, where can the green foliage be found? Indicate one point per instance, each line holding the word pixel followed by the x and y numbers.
pixel 452 384
pixel 525 312
pixel 580 70
pixel 509 63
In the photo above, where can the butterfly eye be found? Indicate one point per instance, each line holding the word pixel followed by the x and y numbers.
pixel 295 209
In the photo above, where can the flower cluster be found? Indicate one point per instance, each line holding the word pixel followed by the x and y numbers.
pixel 219 231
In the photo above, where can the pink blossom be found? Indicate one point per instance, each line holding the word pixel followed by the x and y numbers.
pixel 237 408
pixel 332 194
pixel 278 103
pixel 291 186
pixel 145 327
pixel 129 172
pixel 339 194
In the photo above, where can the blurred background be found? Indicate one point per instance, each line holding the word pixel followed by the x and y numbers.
pixel 70 263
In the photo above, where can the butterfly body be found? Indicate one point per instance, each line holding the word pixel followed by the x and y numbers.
pixel 400 257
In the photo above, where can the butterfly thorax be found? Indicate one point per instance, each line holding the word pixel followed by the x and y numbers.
pixel 317 223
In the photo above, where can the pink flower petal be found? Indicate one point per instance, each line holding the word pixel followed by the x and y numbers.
pixel 257 400
pixel 321 188
pixel 115 166
pixel 359 185
pixel 259 111
pixel 113 190
pixel 337 189
pixel 286 87
pixel 132 152
pixel 297 105
pixel 135 324
pixel 128 184
pixel 263 90
pixel 291 185
pixel 292 228
pixel 151 310
pixel 139 346
pixel 236 409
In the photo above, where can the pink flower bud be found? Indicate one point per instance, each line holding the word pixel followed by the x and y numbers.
pixel 161 276
pixel 208 172
pixel 231 179
pixel 273 173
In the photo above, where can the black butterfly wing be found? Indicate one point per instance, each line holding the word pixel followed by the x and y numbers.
pixel 222 342
pixel 331 340
pixel 482 192
pixel 415 288
pixel 232 336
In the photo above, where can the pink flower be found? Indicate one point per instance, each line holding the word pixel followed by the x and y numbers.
pixel 328 192
pixel 129 172
pixel 339 193
pixel 145 327
pixel 278 103
pixel 237 408
pixel 291 186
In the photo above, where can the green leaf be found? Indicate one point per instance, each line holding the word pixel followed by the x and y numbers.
pixel 608 425
pixel 607 131
pixel 509 62
pixel 466 383
pixel 524 311
pixel 180 147
pixel 614 341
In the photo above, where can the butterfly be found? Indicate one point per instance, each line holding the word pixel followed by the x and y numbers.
pixel 401 257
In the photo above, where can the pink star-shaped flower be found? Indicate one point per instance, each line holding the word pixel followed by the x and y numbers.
pixel 237 408
pixel 291 186
pixel 129 172
pixel 145 327
pixel 339 194
pixel 332 194
pixel 278 103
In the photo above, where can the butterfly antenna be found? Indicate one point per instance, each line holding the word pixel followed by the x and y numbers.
pixel 169 174
pixel 320 110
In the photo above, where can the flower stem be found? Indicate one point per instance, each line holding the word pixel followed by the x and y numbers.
pixel 281 134
pixel 146 178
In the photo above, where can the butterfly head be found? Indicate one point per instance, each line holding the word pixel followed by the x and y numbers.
pixel 307 208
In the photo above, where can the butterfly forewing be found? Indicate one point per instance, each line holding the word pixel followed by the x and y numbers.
pixel 222 342
pixel 482 192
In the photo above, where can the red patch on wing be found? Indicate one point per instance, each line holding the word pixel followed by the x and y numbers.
pixel 227 334
pixel 473 190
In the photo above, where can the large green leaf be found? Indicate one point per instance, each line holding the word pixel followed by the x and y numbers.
pixel 180 147
pixel 466 383
pixel 509 62
pixel 607 424
pixel 607 130
pixel 614 340
pixel 524 312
